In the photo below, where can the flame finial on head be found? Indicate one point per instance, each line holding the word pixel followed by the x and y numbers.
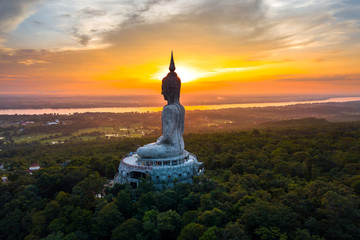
pixel 172 64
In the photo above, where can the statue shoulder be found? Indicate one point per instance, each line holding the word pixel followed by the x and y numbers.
pixel 170 108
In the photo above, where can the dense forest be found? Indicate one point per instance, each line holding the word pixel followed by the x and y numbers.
pixel 295 180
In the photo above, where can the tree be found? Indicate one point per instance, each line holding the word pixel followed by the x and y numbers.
pixel 149 220
pixel 49 181
pixel 124 203
pixel 215 217
pixel 39 224
pixel 190 216
pixel 270 233
pixel 209 234
pixel 355 184
pixel 59 224
pixel 205 202
pixel 168 200
pixel 303 234
pixel 340 213
pixel 169 224
pixel 127 230
pixel 106 220
pixel 145 186
pixel 147 201
pixel 79 220
pixel 192 231
pixel 192 201
pixel 84 192
pixel 110 171
pixel 55 236
pixel 235 231
pixel 260 216
pixel 237 168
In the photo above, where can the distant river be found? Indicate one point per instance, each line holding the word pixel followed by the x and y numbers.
pixel 158 109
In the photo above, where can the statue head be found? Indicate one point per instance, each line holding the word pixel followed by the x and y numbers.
pixel 171 84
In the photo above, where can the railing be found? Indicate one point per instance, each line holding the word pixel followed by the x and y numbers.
pixel 128 155
pixel 193 155
pixel 136 166
pixel 180 162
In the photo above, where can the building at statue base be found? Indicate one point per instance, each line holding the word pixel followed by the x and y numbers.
pixel 163 172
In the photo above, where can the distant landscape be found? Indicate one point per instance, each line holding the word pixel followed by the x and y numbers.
pixel 50 128
pixel 11 101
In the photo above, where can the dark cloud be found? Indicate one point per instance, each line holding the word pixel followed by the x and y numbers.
pixel 235 26
pixel 39 23
pixel 83 39
pixel 135 16
pixel 225 24
pixel 92 12
pixel 238 13
pixel 12 59
pixel 65 15
pixel 14 12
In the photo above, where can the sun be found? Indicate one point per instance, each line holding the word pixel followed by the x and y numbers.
pixel 185 73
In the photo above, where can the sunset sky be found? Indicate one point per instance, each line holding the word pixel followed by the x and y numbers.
pixel 228 47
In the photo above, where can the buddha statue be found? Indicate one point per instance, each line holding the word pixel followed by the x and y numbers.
pixel 171 143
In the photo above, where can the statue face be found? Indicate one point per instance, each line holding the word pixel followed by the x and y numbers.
pixel 164 92
pixel 167 92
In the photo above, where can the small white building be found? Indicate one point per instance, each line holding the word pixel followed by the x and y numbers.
pixel 33 167
pixel 4 179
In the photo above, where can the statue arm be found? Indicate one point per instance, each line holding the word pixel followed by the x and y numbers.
pixel 168 125
pixel 183 118
pixel 159 140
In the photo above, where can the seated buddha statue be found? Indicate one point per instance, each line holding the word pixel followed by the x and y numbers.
pixel 171 143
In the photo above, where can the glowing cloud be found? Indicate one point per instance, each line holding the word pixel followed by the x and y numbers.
pixel 189 74
pixel 186 73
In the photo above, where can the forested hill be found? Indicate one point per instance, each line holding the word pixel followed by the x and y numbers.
pixel 295 180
